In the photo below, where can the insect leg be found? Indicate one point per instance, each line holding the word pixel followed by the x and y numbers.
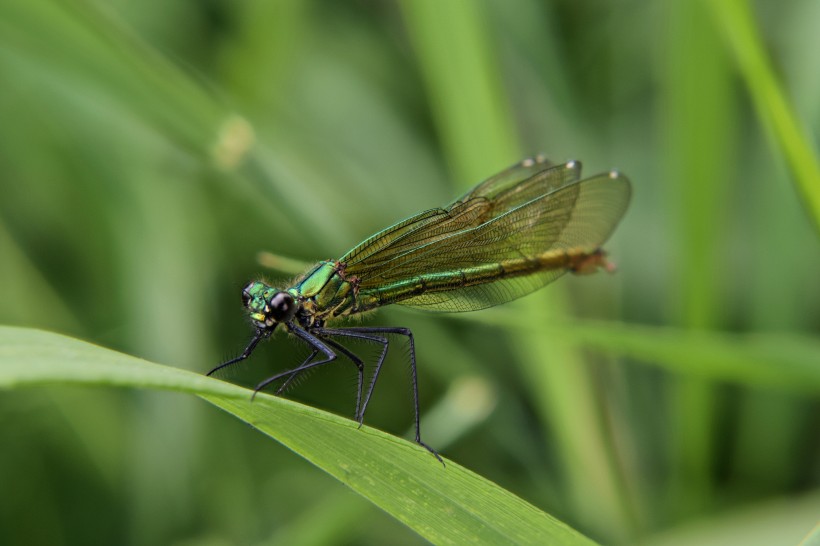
pixel 342 349
pixel 295 372
pixel 257 337
pixel 348 332
pixel 368 333
pixel 317 345
pixel 359 365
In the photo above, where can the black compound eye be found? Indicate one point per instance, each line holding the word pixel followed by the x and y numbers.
pixel 282 306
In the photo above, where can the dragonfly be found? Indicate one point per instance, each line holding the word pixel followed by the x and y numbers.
pixel 507 237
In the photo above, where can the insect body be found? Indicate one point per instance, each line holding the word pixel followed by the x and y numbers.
pixel 510 235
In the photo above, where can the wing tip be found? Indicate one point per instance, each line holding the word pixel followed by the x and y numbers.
pixel 537 159
pixel 615 174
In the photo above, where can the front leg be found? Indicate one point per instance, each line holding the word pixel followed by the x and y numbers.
pixel 317 345
pixel 258 336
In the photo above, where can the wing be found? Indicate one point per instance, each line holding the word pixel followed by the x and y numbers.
pixel 493 197
pixel 577 218
pixel 502 220
pixel 511 176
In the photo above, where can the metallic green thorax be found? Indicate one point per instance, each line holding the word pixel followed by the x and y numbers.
pixel 324 292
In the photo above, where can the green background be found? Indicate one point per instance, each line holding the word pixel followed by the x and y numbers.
pixel 150 150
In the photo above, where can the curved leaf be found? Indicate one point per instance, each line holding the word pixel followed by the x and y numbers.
pixel 444 505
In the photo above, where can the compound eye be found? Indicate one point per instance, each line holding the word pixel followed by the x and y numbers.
pixel 246 294
pixel 282 306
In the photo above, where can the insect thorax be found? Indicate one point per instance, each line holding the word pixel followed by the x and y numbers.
pixel 325 293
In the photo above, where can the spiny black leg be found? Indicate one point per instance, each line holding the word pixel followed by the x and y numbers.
pixel 290 374
pixel 348 332
pixel 257 337
pixel 296 372
pixel 375 378
pixel 314 342
pixel 398 331
pixel 359 365
pixel 278 376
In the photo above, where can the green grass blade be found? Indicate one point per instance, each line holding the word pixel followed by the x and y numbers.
pixel 736 20
pixel 96 42
pixel 779 520
pixel 699 136
pixel 471 112
pixel 785 362
pixel 778 361
pixel 444 505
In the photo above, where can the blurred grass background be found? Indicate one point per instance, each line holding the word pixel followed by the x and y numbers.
pixel 149 150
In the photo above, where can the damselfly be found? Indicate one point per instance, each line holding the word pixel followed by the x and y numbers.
pixel 510 235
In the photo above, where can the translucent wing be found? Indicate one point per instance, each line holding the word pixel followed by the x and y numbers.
pixel 496 195
pixel 512 176
pixel 576 218
pixel 502 220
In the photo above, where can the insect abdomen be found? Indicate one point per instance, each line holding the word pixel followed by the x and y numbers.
pixel 486 273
